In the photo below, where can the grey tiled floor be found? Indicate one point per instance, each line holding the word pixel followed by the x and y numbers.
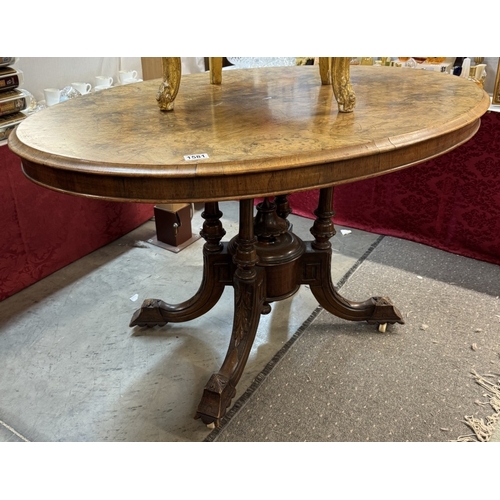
pixel 72 370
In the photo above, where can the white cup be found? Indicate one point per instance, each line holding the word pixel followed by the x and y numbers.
pixel 104 81
pixel 83 88
pixel 127 75
pixel 52 96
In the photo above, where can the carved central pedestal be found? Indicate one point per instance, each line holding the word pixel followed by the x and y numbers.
pixel 264 263
pixel 278 251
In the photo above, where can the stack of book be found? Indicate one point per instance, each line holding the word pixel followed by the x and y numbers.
pixel 12 99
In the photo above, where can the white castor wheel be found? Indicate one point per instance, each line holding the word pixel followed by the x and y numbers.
pixel 382 327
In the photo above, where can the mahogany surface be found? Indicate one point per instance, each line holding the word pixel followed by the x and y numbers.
pixel 267 133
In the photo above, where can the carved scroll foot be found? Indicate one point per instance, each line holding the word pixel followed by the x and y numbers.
pixel 249 304
pixel 384 312
pixel 317 274
pixel 149 314
pixel 249 282
pixel 217 397
pixel 216 275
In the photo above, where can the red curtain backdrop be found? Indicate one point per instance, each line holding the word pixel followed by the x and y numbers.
pixel 42 231
pixel 451 202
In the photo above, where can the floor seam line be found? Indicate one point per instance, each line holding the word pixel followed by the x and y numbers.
pixel 8 427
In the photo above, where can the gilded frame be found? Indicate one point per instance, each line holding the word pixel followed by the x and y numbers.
pixel 496 87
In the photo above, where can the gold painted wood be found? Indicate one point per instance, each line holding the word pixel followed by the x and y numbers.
pixel 171 80
pixel 341 83
pixel 267 131
pixel 496 87
pixel 329 67
pixel 325 64
pixel 215 66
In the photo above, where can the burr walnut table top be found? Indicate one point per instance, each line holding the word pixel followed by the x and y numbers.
pixel 266 131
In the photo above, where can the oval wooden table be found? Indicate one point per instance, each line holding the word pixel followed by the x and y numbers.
pixel 263 133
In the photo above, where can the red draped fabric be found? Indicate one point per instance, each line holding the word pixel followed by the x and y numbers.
pixel 42 231
pixel 451 202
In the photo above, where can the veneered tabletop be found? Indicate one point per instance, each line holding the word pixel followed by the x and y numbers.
pixel 265 131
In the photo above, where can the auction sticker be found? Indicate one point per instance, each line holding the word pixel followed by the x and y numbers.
pixel 201 156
